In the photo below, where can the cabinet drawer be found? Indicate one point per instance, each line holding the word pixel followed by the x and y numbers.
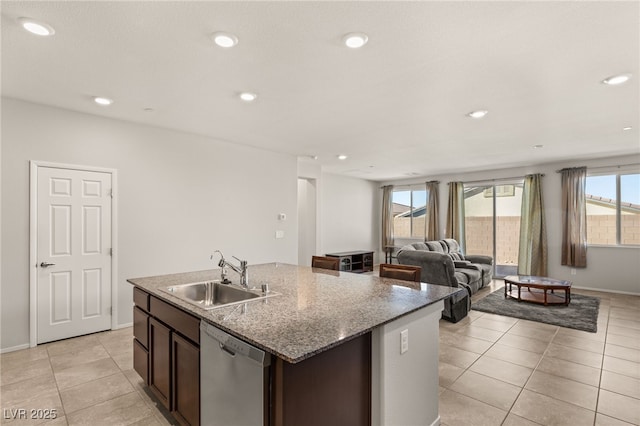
pixel 182 322
pixel 141 299
pixel 141 326
pixel 141 361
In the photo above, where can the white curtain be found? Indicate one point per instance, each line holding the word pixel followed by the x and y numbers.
pixel 532 253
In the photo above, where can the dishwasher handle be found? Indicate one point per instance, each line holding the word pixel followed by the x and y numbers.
pixel 227 350
pixel 234 346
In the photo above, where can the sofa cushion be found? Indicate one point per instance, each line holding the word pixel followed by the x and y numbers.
pixel 434 246
pixel 461 277
pixel 451 246
pixel 420 246
pixel 455 256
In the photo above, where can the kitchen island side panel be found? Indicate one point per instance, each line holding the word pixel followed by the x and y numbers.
pixel 405 385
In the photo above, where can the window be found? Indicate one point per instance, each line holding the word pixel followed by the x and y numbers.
pixel 613 209
pixel 409 212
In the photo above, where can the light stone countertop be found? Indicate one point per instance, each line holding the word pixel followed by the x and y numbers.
pixel 316 310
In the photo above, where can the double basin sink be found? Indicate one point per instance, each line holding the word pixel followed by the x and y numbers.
pixel 214 294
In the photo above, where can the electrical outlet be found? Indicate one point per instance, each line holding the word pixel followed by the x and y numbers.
pixel 573 271
pixel 404 341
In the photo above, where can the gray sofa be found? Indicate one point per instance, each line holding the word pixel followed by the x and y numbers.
pixel 443 263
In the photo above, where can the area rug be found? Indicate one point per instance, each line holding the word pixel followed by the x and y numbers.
pixel 581 314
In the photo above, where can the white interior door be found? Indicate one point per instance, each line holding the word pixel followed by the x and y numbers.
pixel 73 254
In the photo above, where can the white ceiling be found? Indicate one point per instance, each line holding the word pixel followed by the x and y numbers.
pixel 396 107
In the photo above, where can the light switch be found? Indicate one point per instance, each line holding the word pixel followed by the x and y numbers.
pixel 279 234
pixel 404 341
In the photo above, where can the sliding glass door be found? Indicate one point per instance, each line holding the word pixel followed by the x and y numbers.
pixel 492 223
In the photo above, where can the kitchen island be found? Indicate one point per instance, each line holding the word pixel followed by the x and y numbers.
pixel 335 338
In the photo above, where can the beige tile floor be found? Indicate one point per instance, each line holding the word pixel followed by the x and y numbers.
pixel 497 370
pixel 494 370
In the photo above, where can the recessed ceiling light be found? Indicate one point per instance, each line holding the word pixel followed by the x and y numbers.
pixel 478 114
pixel 538 146
pixel 148 110
pixel 627 128
pixel 102 101
pixel 313 157
pixel 355 40
pixel 248 96
pixel 36 27
pixel 617 79
pixel 224 39
pixel 342 157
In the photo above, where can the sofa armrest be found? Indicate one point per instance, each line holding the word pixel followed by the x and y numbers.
pixel 479 258
pixel 461 263
pixel 469 265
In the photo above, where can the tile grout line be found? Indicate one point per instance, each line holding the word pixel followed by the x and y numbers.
pixel 55 380
pixel 604 349
pixel 533 370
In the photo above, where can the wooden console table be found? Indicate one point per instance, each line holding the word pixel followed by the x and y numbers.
pixel 354 261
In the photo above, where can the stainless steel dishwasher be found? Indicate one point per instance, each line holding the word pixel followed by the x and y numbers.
pixel 232 379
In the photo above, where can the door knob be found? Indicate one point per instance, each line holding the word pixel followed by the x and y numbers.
pixel 46 264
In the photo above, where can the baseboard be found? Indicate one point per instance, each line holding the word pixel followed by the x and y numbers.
pixel 14 348
pixel 606 290
pixel 119 326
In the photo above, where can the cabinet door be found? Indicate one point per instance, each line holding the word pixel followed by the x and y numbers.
pixel 345 263
pixel 160 361
pixel 186 381
pixel 367 262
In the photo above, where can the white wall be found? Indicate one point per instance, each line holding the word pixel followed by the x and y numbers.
pixel 307 223
pixel 350 214
pixel 180 197
pixel 608 268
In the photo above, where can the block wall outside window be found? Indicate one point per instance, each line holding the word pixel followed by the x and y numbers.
pixel 479 231
pixel 604 209
pixel 601 229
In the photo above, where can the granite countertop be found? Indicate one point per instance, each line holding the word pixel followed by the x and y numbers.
pixel 316 310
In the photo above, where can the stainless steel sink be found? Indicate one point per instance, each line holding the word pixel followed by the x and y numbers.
pixel 214 294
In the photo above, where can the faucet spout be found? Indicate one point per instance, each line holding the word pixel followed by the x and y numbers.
pixel 241 270
pixel 223 268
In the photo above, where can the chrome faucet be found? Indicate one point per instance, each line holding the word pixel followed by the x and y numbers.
pixel 223 268
pixel 241 270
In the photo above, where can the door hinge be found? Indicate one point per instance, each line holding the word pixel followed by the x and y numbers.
pixel 111 193
pixel 110 310
pixel 110 252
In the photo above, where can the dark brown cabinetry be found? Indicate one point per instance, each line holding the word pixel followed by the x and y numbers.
pixel 331 388
pixel 354 261
pixel 167 355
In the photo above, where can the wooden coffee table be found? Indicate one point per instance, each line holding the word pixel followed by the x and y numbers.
pixel 537 289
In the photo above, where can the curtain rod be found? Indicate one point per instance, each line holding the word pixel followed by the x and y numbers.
pixel 494 180
pixel 600 167
pixel 409 185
